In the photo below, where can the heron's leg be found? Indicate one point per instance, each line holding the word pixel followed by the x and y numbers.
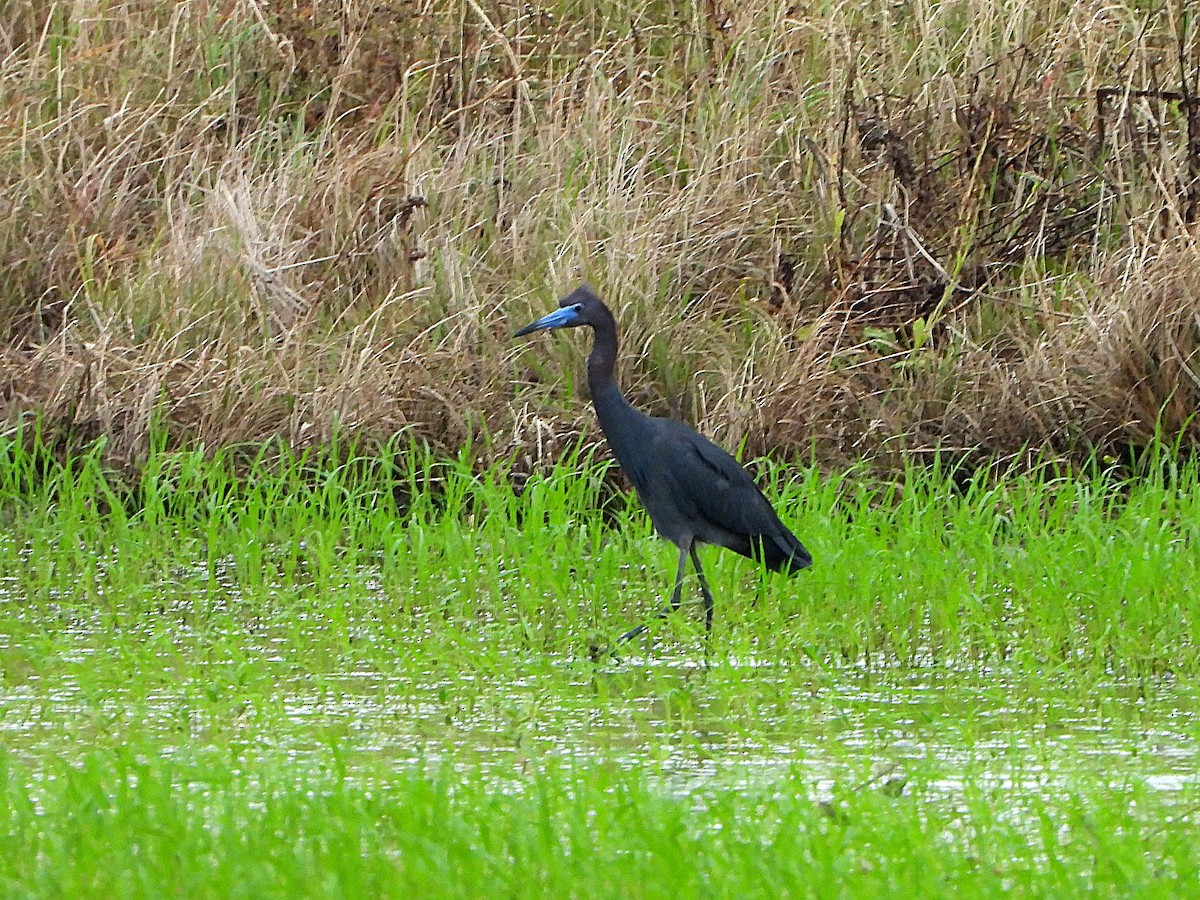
pixel 708 597
pixel 675 594
pixel 632 633
pixel 684 549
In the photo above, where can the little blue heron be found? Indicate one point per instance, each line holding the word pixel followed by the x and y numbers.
pixel 695 492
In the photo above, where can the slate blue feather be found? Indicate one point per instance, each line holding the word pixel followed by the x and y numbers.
pixel 694 491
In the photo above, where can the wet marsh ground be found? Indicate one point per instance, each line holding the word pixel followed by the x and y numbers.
pixel 338 676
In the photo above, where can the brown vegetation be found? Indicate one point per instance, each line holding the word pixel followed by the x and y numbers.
pixel 869 231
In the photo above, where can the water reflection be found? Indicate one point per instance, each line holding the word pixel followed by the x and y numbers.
pixel 740 723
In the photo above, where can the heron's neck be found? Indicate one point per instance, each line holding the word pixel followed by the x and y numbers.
pixel 612 409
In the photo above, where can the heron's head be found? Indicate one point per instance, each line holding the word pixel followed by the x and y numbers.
pixel 580 307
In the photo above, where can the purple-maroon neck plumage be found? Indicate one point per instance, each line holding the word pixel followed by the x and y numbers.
pixel 602 361
pixel 622 425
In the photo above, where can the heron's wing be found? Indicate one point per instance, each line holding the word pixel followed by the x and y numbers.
pixel 741 516
pixel 723 492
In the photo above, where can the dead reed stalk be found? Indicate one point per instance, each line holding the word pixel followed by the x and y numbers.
pixel 967 230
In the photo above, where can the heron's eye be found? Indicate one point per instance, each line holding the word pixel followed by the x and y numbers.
pixel 578 307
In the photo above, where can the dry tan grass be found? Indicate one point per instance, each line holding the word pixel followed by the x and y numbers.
pixel 858 232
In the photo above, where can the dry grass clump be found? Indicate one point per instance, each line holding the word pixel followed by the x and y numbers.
pixel 855 232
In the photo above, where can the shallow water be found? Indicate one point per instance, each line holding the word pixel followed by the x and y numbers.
pixel 740 722
pixel 257 685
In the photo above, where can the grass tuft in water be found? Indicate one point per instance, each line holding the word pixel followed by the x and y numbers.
pixel 119 824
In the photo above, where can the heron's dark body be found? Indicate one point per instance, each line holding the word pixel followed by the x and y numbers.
pixel 693 490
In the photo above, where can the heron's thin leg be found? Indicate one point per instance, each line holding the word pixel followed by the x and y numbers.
pixel 676 594
pixel 632 633
pixel 708 597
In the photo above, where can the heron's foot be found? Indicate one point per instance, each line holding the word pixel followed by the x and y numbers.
pixel 642 629
pixel 632 633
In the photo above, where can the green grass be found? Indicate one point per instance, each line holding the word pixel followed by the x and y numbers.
pixel 1089 574
pixel 344 675
pixel 121 824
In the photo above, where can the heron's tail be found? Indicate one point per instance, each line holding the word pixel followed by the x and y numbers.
pixel 783 552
